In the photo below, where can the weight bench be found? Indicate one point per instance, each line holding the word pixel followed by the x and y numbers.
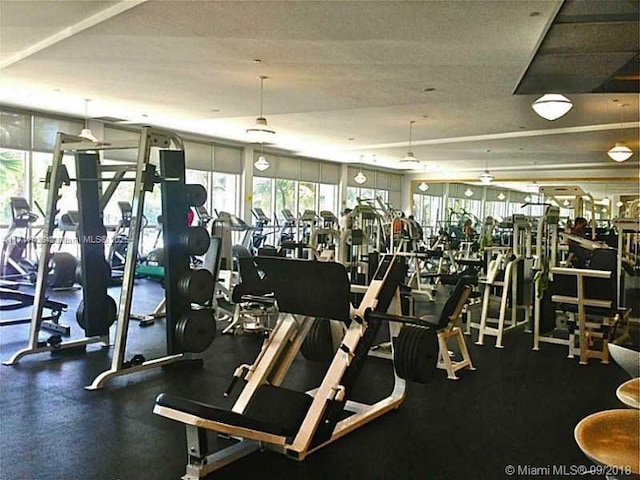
pixel 266 415
pixel 11 299
pixel 448 328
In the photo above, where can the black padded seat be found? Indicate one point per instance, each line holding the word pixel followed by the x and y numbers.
pixel 274 410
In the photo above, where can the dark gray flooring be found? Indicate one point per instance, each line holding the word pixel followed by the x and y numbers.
pixel 518 408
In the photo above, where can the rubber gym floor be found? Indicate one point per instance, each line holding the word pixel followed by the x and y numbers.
pixel 518 408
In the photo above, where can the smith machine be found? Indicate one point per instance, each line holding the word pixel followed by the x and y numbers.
pixel 189 330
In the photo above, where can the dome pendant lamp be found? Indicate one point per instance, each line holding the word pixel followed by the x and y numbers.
pixel 260 132
pixel 552 106
pixel 86 131
pixel 410 157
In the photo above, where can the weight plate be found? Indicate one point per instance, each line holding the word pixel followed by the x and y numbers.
pixel 318 345
pixel 196 194
pixel 427 359
pixel 62 270
pixel 197 286
pixel 413 353
pixel 80 315
pixel 196 240
pixel 109 308
pixel 196 330
pixel 400 352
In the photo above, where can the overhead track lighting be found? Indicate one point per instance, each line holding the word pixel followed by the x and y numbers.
pixel 261 132
pixel 86 131
pixel 423 187
pixel 552 106
pixel 410 157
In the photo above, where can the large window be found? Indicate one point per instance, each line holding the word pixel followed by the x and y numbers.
pixel 12 180
pixel 285 197
pixel 262 195
pixel 307 196
pixel 327 199
pixel 427 210
pixel 353 193
pixel 496 209
pixel 223 192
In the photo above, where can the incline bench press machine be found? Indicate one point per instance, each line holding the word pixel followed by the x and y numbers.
pixel 266 415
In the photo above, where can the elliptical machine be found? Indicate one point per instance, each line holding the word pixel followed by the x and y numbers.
pixel 16 267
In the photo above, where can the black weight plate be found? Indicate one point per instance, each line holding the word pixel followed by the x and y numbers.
pixel 413 351
pixel 197 286
pixel 427 359
pixel 80 315
pixel 400 352
pixel 62 270
pixel 196 194
pixel 111 309
pixel 196 240
pixel 196 330
pixel 318 345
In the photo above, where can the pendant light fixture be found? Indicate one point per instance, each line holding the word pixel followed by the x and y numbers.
pixel 262 163
pixel 410 157
pixel 423 187
pixel 261 132
pixel 620 152
pixel 486 178
pixel 552 106
pixel 360 178
pixel 86 131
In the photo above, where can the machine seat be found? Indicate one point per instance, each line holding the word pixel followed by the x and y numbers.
pixel 273 410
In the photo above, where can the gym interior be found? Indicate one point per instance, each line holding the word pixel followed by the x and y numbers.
pixel 307 239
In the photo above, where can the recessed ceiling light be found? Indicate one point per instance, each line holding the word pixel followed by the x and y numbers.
pixel 57 90
pixel 351 139
pixel 428 89
pixel 215 110
pixel 425 116
pixel 257 60
pixel 522 128
pixel 534 14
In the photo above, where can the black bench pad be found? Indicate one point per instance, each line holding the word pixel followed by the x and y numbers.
pixel 273 410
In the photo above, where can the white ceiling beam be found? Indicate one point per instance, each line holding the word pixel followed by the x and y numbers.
pixel 505 135
pixel 67 32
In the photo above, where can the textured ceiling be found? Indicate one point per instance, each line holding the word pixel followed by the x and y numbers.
pixel 345 78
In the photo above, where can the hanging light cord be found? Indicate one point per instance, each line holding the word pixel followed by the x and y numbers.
pixel 86 113
pixel 410 132
pixel 261 88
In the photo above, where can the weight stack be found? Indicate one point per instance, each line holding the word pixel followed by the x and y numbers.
pixel 97 311
pixel 189 329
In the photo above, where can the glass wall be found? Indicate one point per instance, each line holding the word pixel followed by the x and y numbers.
pixel 427 210
pixel 353 193
pixel 262 193
pixel 13 166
